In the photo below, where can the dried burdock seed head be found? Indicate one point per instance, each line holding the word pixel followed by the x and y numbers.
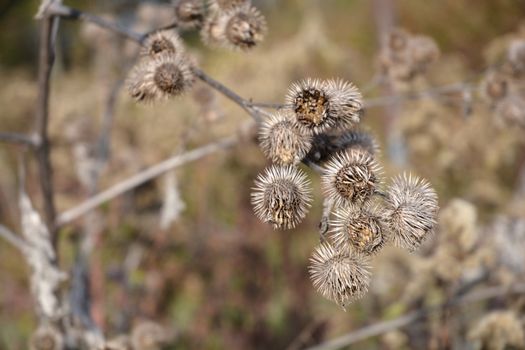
pixel 345 103
pixel 281 196
pixel 339 275
pixel 364 229
pixel 412 207
pixel 242 27
pixel 189 13
pixel 351 177
pixel 165 41
pixel 282 140
pixel 423 51
pixel 510 111
pixel 149 336
pixel 516 55
pixel 320 106
pixel 165 75
pixel 310 101
pixel 494 86
pixel 211 33
pixel 46 338
pixel 226 5
pixel 498 330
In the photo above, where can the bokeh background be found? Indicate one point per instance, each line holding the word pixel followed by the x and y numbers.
pixel 216 274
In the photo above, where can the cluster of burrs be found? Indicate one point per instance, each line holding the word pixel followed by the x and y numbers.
pixel 502 86
pixel 318 127
pixel 233 24
pixel 404 56
pixel 165 68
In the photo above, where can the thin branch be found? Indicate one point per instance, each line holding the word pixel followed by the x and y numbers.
pixel 143 177
pixel 253 108
pixel 17 138
pixel 431 92
pixel 409 318
pixel 242 102
pixel 277 106
pixel 71 13
pixel 17 241
pixel 171 25
pixel 49 26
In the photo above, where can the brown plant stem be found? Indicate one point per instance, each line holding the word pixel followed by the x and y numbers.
pixel 45 65
pixel 17 138
pixel 144 176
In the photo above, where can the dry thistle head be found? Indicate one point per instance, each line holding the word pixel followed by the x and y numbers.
pixel 226 5
pixel 363 229
pixel 242 27
pixel 345 103
pixel 412 206
pixel 281 196
pixel 281 139
pixel 164 41
pixel 423 51
pixel 339 275
pixel 310 101
pixel 149 336
pixel 46 338
pixel 498 330
pixel 351 177
pixel 320 106
pixel 510 111
pixel 189 13
pixel 165 75
pixel 405 56
pixel 494 86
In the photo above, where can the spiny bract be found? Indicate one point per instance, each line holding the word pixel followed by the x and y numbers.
pixel 281 139
pixel 351 177
pixel 361 228
pixel 339 275
pixel 165 41
pixel 281 196
pixel 165 75
pixel 412 209
pixel 240 28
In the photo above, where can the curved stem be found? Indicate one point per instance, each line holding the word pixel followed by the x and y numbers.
pixel 143 177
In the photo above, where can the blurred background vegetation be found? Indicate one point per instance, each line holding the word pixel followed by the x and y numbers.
pixel 220 277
